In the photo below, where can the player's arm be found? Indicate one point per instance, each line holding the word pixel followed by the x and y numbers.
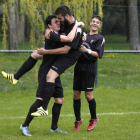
pixel 93 53
pixel 47 33
pixel 84 36
pixel 71 35
pixel 98 50
pixel 62 50
pixel 62 38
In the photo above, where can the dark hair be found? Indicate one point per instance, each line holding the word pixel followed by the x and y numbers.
pixel 49 19
pixel 63 10
pixel 98 17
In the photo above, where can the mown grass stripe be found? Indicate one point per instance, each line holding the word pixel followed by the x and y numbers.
pixel 83 114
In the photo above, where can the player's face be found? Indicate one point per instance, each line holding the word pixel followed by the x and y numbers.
pixel 95 24
pixel 55 24
pixel 60 18
pixel 63 20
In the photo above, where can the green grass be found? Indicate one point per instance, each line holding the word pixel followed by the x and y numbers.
pixel 112 46
pixel 115 70
pixel 115 38
pixel 15 105
pixel 117 97
pixel 119 70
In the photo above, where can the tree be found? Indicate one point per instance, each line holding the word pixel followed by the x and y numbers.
pixel 15 11
pixel 133 25
pixel 12 27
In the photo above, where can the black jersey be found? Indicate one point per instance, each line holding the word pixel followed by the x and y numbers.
pixel 52 43
pixel 77 41
pixel 95 43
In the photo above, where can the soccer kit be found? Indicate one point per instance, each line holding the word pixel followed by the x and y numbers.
pixel 47 62
pixel 64 61
pixel 85 68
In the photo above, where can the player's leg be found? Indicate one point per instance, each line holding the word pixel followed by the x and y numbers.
pixel 59 99
pixel 48 91
pixel 77 104
pixel 49 88
pixel 89 85
pixel 92 103
pixel 62 63
pixel 24 127
pixel 40 91
pixel 39 94
pixel 92 108
pixel 27 65
pixel 55 115
pixel 77 108
pixel 56 112
pixel 77 96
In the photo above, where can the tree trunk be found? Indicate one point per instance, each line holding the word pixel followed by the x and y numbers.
pixel 20 23
pixel 13 40
pixel 133 25
pixel 127 25
pixel 21 29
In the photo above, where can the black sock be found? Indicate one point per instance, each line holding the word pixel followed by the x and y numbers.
pixel 48 92
pixel 92 108
pixel 32 109
pixel 77 107
pixel 27 65
pixel 55 115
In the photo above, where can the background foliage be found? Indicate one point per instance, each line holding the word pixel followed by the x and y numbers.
pixel 37 10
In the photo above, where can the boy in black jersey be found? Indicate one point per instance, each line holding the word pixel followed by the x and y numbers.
pixel 85 71
pixel 53 23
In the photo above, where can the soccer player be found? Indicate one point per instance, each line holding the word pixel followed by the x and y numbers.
pixel 85 71
pixel 63 62
pixel 54 24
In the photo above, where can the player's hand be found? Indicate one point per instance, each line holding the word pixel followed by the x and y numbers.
pixel 83 49
pixel 80 24
pixel 84 36
pixel 47 33
pixel 41 51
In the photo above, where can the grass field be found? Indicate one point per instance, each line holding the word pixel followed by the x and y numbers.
pixel 118 112
pixel 117 97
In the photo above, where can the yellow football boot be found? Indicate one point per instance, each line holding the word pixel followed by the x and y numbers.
pixel 40 112
pixel 10 77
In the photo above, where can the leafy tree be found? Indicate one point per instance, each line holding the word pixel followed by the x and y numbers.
pixel 15 11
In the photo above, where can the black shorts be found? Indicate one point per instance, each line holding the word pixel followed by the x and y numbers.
pixel 65 61
pixel 84 77
pixel 58 91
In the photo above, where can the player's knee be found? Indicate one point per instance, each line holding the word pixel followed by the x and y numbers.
pixel 59 100
pixel 76 96
pixel 88 97
pixel 34 54
pixel 50 78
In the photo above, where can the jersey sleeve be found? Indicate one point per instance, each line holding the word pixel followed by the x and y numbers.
pixel 55 36
pixel 100 47
pixel 76 39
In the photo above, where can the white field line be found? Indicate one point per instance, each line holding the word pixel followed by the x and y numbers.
pixel 83 114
